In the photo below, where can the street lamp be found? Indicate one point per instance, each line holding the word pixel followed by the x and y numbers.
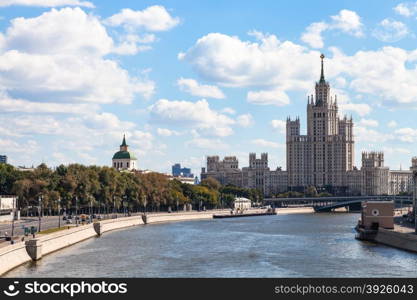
pixel 14 213
pixel 76 211
pixel 59 212
pixel 39 213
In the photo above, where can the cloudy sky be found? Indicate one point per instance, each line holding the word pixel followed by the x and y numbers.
pixel 186 79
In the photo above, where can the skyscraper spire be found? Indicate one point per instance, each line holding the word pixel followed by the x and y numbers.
pixel 322 69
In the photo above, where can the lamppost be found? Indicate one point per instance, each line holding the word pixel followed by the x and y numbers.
pixel 14 214
pixel 59 212
pixel 39 213
pixel 144 203
pixel 76 211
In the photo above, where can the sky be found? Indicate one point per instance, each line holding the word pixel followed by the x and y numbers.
pixel 187 79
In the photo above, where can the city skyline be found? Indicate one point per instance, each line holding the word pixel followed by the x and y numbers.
pixel 181 92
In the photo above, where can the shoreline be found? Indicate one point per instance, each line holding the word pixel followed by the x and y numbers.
pixel 14 255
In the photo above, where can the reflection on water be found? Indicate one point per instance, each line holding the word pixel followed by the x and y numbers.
pixel 309 245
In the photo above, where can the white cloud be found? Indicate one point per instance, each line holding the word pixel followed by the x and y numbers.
pixel 192 114
pixel 389 30
pixel 349 22
pixel 406 9
pixel 268 97
pixel 129 44
pixel 346 21
pixel 229 61
pixel 369 123
pixel 265 143
pixel 408 135
pixel 279 125
pixel 152 18
pixel 194 88
pixel 228 110
pixel 8 104
pixel 245 120
pixel 46 3
pixel 166 132
pixel 312 35
pixel 59 55
pixel 392 124
pixel 207 144
pixel 364 134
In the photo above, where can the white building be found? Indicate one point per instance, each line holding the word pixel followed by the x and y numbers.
pixel 242 203
pixel 123 159
pixel 8 205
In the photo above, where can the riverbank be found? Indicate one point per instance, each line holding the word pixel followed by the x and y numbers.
pixel 294 210
pixel 21 252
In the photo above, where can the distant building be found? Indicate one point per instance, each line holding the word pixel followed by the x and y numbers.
pixel 325 154
pixel 256 176
pixel 183 172
pixel 123 159
pixel 3 159
pixel 242 203
pixel 8 206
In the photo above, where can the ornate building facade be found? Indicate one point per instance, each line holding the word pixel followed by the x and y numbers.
pixel 325 155
pixel 323 158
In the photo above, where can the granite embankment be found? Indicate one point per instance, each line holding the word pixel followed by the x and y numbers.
pixel 21 252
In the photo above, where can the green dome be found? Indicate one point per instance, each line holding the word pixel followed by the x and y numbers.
pixel 124 155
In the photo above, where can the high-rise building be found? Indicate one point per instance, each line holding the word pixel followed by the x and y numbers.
pixel 177 171
pixel 3 159
pixel 323 156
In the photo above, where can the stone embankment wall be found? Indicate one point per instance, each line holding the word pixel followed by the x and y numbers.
pixel 19 253
pixel 401 240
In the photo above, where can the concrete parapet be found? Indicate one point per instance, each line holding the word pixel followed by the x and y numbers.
pixel 113 224
pixel 159 218
pixel 12 256
pixel 401 240
pixel 64 238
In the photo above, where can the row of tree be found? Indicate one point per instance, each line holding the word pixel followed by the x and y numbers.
pixel 104 189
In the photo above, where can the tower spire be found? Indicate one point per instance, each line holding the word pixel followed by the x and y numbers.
pixel 322 68
pixel 124 141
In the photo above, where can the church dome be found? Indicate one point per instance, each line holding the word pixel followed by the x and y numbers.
pixel 124 155
pixel 124 152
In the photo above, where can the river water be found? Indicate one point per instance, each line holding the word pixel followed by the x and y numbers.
pixel 298 245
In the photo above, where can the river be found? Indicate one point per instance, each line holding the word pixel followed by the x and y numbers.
pixel 297 245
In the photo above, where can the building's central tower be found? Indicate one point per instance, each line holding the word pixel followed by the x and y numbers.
pixel 323 156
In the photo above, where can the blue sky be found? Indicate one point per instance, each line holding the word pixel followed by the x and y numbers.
pixel 186 79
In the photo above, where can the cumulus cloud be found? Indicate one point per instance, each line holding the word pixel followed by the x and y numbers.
pixel 245 120
pixel 46 3
pixel 229 61
pixel 192 114
pixel 346 21
pixel 369 123
pixel 279 125
pixel 207 144
pixel 406 9
pixel 407 134
pixel 268 97
pixel 194 88
pixel 166 132
pixel 265 143
pixel 392 124
pixel 390 30
pixel 152 18
pixel 59 55
pixel 365 134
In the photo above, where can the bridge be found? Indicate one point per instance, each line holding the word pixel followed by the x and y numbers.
pixel 326 204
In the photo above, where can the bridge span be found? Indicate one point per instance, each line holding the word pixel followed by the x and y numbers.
pixel 326 204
